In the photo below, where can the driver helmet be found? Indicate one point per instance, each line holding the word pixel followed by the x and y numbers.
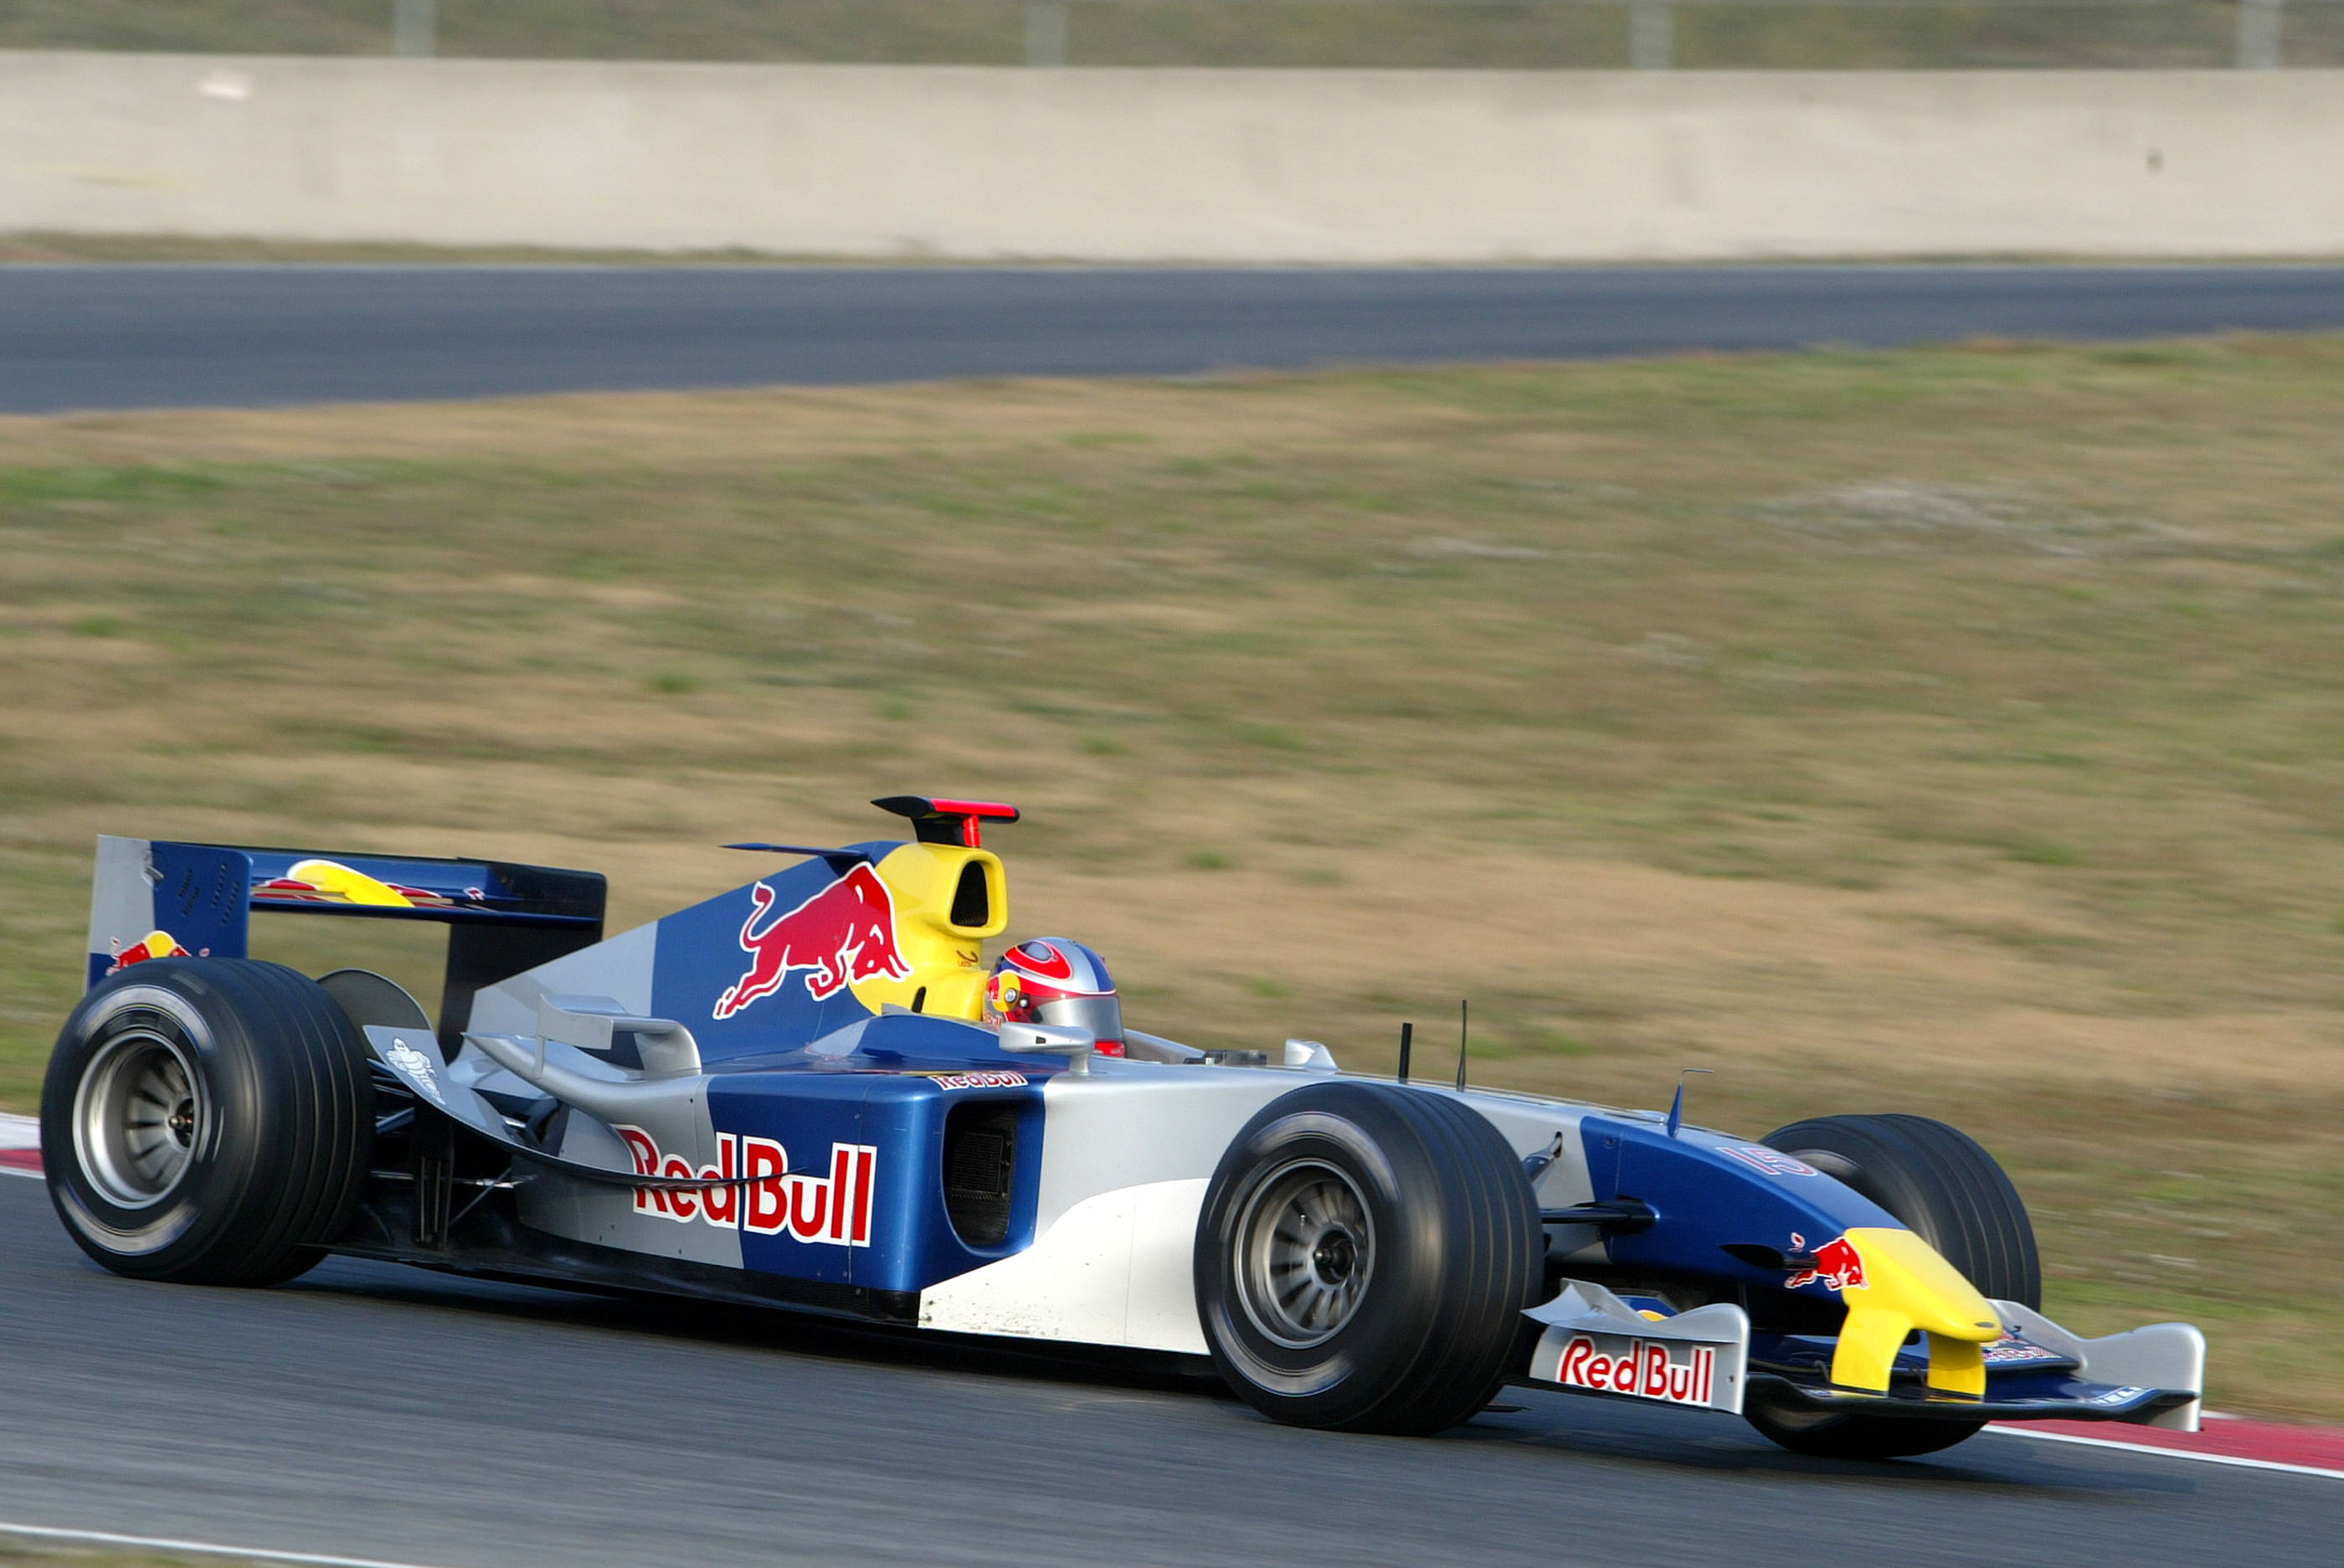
pixel 1050 980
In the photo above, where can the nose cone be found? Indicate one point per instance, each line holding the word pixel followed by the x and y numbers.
pixel 1897 1267
pixel 1907 1285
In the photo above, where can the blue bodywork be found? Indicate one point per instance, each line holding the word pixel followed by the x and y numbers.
pixel 699 954
pixel 882 1093
pixel 886 1096
pixel 1708 1191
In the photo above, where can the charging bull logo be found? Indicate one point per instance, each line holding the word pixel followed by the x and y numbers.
pixel 154 945
pixel 766 1198
pixel 843 933
pixel 1837 1264
pixel 331 881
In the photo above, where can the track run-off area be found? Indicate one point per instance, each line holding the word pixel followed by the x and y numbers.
pixel 369 1412
pixel 148 336
pixel 374 1414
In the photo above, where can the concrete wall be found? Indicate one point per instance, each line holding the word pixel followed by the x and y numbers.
pixel 1219 166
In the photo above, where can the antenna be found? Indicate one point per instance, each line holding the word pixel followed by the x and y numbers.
pixel 1406 1034
pixel 1676 1107
pixel 1464 1030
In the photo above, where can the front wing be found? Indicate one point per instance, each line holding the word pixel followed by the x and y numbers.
pixel 1597 1342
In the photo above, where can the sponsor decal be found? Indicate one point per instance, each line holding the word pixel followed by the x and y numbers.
pixel 154 945
pixel 2013 1351
pixel 1643 1369
pixel 842 934
pixel 1773 1161
pixel 833 1209
pixel 2116 1396
pixel 414 1066
pixel 980 1080
pixel 331 881
pixel 1836 1265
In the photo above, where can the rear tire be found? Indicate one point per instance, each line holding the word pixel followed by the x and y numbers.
pixel 207 1121
pixel 1950 1192
pixel 1363 1258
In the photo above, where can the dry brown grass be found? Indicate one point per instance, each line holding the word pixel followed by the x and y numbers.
pixel 26 1549
pixel 1946 731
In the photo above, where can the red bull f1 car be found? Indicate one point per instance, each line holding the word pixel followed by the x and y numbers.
pixel 809 1092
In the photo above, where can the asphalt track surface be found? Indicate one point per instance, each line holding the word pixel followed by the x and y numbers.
pixel 376 1412
pixel 124 337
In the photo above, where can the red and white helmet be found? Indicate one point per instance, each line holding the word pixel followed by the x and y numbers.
pixel 1050 980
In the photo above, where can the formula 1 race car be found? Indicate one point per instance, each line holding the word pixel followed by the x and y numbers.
pixel 809 1092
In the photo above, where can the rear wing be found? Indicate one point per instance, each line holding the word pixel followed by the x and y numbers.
pixel 152 899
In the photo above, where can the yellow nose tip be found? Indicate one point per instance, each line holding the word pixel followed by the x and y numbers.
pixel 1908 1285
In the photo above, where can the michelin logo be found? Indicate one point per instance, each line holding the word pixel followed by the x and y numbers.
pixel 416 1069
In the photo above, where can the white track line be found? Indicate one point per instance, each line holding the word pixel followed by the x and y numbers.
pixel 2171 1453
pixel 194 1548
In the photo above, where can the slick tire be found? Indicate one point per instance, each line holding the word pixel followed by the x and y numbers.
pixel 1363 1258
pixel 206 1121
pixel 1953 1195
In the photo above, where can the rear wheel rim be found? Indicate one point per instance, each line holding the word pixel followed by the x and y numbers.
pixel 137 1115
pixel 1305 1252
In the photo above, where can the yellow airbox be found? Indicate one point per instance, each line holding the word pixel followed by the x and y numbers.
pixel 948 899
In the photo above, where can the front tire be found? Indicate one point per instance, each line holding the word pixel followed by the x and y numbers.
pixel 207 1121
pixel 1951 1193
pixel 1363 1258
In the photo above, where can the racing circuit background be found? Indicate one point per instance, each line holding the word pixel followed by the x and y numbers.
pixel 1908 685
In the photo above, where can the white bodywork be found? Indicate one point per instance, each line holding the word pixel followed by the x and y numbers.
pixel 1128 1151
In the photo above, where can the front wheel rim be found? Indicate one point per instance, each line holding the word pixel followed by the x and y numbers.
pixel 1305 1252
pixel 137 1116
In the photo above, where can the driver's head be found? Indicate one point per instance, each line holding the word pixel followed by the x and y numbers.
pixel 1049 980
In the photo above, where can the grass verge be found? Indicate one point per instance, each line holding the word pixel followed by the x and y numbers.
pixel 1950 730
pixel 2189 34
pixel 30 1550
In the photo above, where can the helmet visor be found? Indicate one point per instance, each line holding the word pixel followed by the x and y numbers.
pixel 1102 1016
